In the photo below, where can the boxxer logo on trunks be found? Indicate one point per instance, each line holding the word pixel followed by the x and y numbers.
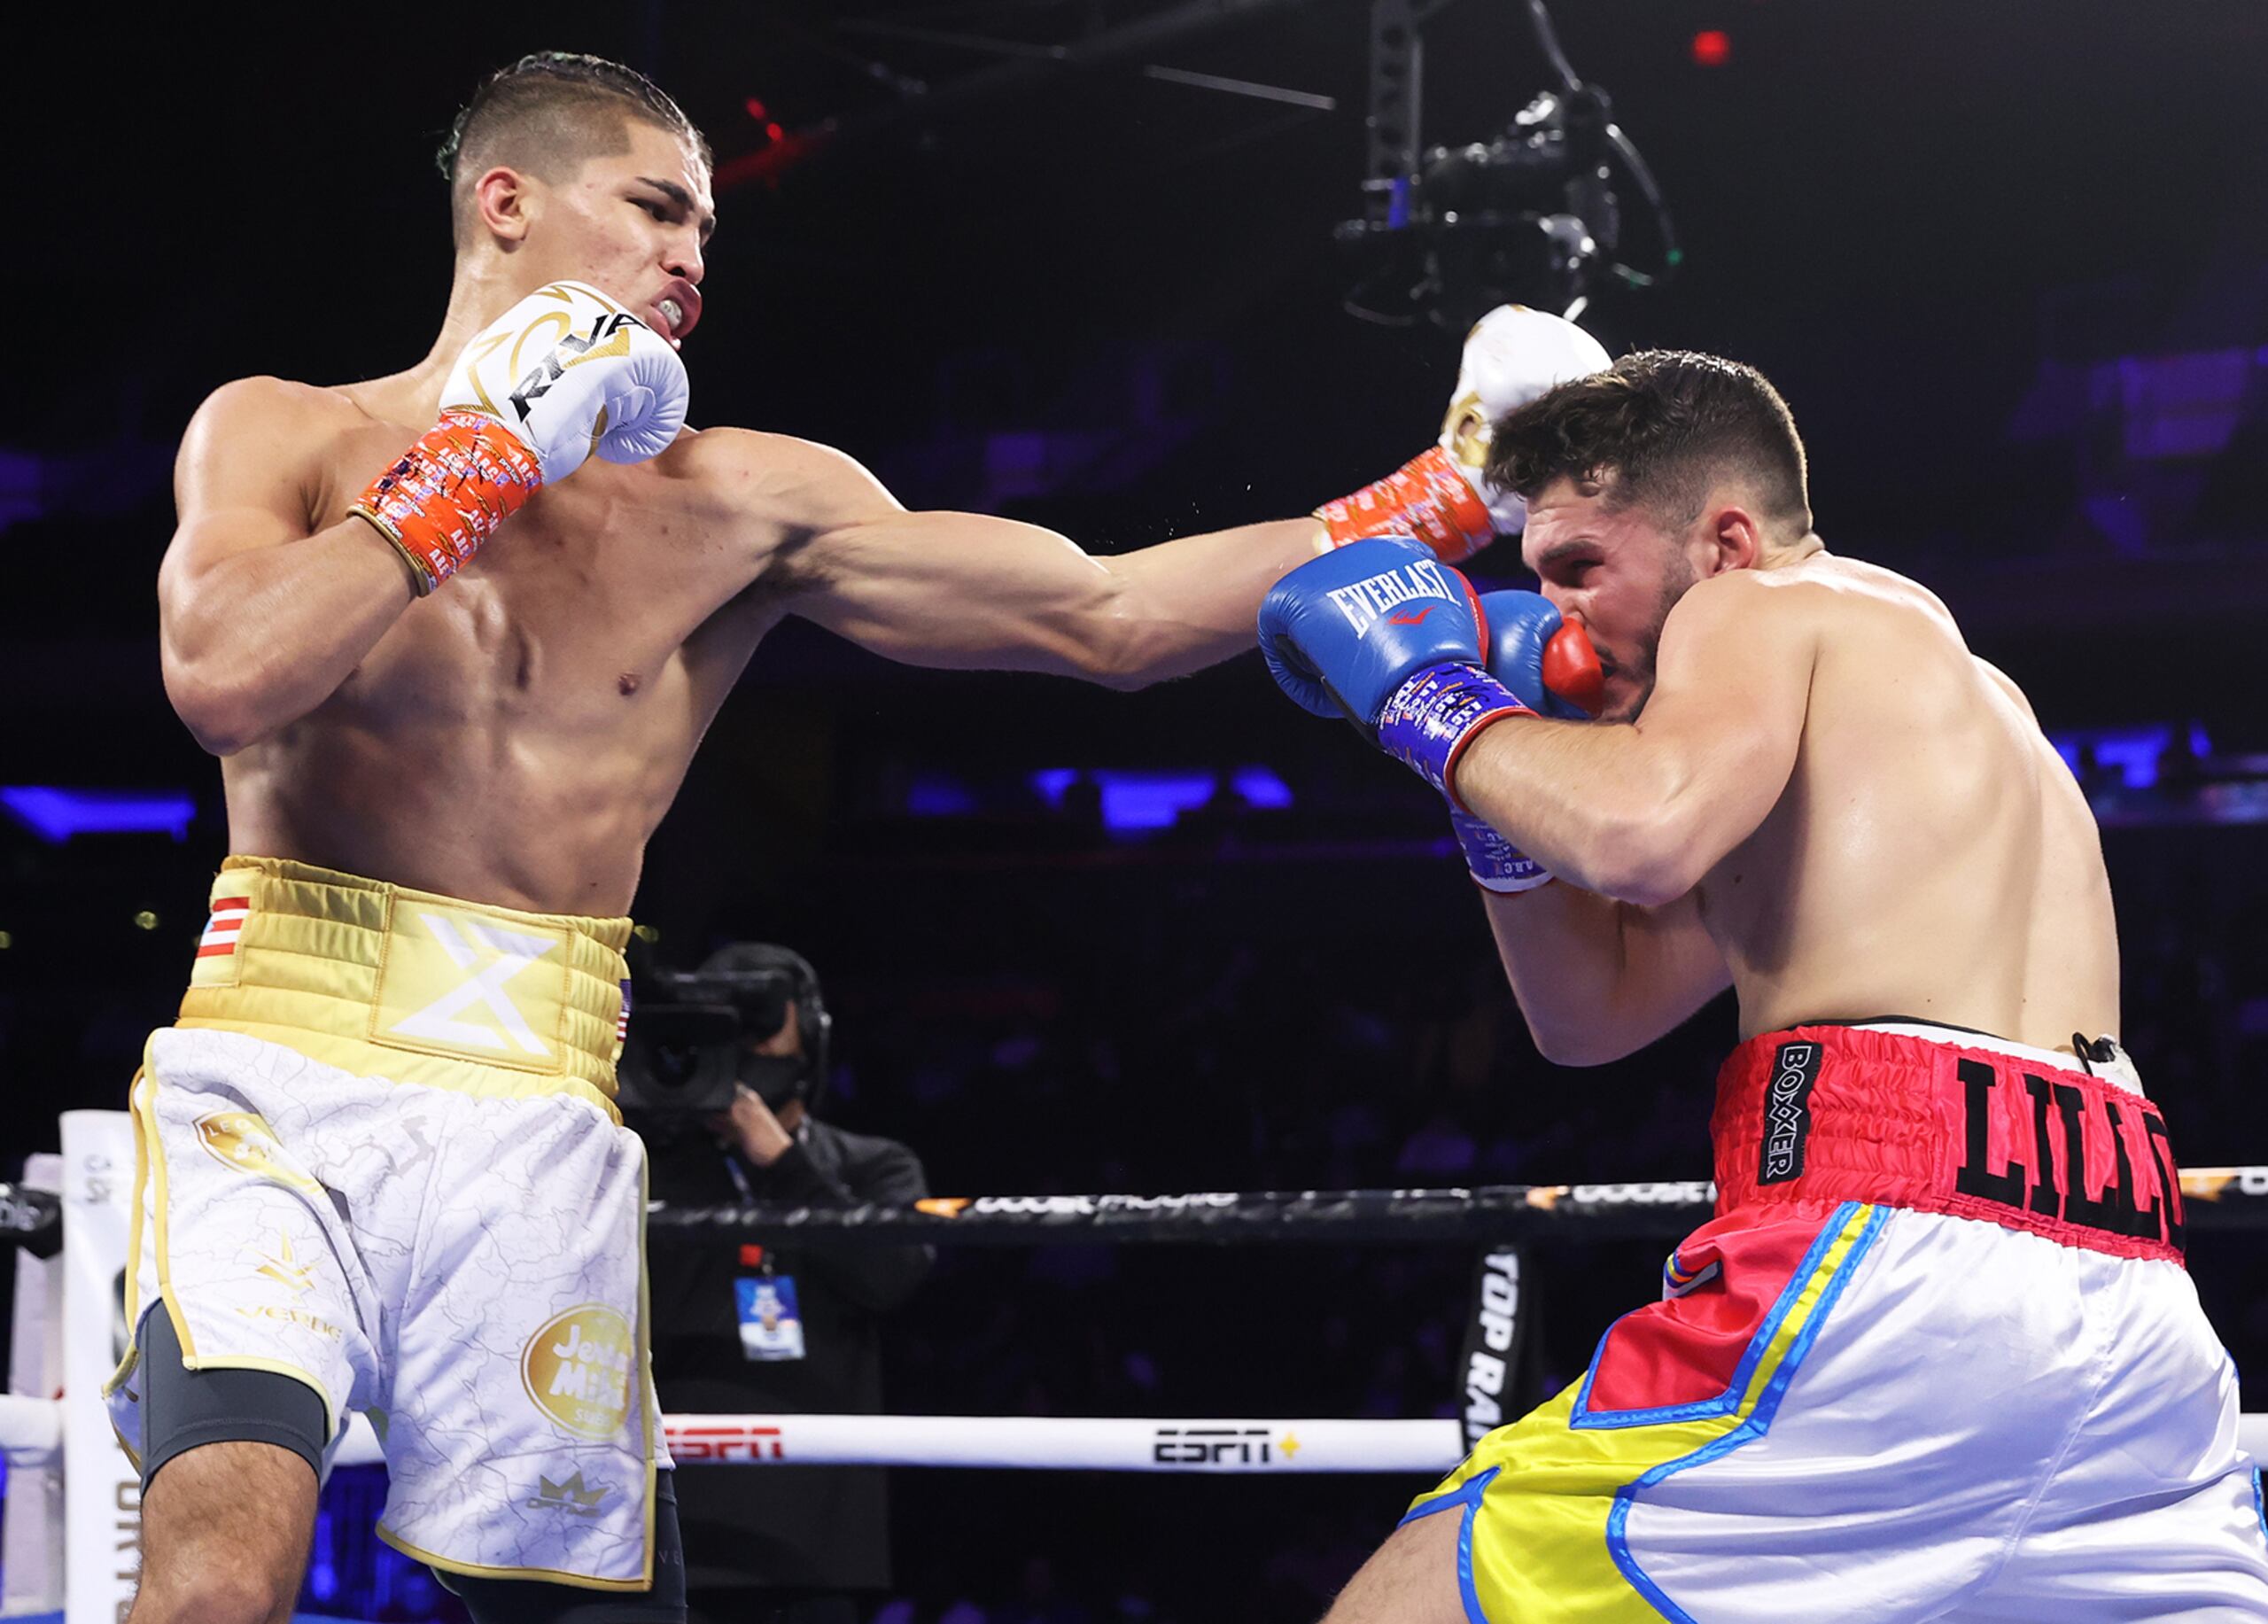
pixel 2048 1170
pixel 1367 602
pixel 1787 1113
pixel 456 983
pixel 577 1369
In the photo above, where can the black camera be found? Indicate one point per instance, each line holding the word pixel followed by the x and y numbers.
pixel 1525 218
pixel 692 1034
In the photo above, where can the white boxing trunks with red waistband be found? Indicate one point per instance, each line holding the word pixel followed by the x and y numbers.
pixel 1936 1357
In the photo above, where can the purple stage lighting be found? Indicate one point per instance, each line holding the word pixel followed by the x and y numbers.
pixel 56 814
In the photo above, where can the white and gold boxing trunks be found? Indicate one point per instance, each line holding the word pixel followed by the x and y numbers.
pixel 378 1152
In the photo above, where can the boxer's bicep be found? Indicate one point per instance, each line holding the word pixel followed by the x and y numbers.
pixel 1725 723
pixel 241 485
pixel 248 487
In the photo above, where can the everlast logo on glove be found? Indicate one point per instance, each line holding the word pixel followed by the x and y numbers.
pixel 1787 1113
pixel 1365 601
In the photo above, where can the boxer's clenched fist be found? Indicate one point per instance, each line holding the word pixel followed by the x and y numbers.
pixel 568 371
pixel 1544 658
pixel 1387 633
pixel 1550 665
pixel 1513 355
pixel 565 372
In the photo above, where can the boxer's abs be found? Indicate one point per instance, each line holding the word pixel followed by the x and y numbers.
pixel 487 813
pixel 1931 855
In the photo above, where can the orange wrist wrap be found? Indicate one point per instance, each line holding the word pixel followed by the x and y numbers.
pixel 446 493
pixel 1429 498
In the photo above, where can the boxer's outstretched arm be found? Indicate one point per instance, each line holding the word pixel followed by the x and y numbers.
pixel 1641 812
pixel 260 617
pixel 972 591
pixel 1598 979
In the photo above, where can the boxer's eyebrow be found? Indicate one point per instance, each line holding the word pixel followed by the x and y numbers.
pixel 683 198
pixel 1560 552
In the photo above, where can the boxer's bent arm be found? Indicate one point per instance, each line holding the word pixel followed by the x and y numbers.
pixel 260 617
pixel 968 591
pixel 1641 811
pixel 1598 979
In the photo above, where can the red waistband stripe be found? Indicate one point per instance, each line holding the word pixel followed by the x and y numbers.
pixel 226 925
pixel 1835 1113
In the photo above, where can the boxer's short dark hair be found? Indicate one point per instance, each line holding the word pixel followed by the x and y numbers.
pixel 1659 427
pixel 548 113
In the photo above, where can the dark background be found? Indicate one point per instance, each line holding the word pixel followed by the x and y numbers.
pixel 2009 264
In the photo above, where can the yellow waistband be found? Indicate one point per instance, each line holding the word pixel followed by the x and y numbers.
pixel 380 980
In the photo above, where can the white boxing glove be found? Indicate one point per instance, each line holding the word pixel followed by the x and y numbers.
pixel 565 372
pixel 568 371
pixel 1441 496
pixel 1513 355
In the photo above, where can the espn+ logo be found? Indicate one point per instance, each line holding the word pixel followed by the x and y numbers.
pixel 1220 1446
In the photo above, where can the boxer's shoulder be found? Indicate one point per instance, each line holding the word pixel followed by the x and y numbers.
pixel 277 409
pixel 800 483
pixel 1754 605
pixel 264 442
pixel 1831 595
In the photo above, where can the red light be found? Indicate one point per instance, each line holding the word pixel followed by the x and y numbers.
pixel 775 132
pixel 755 109
pixel 1713 48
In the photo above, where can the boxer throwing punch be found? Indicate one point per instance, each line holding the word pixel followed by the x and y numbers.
pixel 1937 1356
pixel 455 632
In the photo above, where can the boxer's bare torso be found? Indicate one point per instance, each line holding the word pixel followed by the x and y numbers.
pixel 516 737
pixel 1931 855
pixel 1827 803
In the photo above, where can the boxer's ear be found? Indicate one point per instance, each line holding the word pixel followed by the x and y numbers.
pixel 505 202
pixel 1734 536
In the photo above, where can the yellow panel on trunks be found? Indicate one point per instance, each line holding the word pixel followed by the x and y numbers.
pixel 383 981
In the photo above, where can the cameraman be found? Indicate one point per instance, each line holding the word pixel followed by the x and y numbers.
pixel 749 1329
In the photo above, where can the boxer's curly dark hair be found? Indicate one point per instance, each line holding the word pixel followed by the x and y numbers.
pixel 548 113
pixel 1659 427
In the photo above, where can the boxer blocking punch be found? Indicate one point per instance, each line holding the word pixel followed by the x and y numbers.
pixel 1415 678
pixel 455 634
pixel 1937 1356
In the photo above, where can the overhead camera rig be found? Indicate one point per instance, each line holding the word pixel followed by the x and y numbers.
pixel 1446 233
pixel 1530 216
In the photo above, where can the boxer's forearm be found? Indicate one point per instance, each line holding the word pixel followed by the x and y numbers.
pixel 1185 604
pixel 1596 804
pixel 254 640
pixel 970 592
pixel 1598 979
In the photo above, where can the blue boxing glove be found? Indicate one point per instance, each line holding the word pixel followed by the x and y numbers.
pixel 1383 633
pixel 1551 667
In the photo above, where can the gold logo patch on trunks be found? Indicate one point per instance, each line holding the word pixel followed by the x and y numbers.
pixel 576 1368
pixel 243 1140
pixel 456 982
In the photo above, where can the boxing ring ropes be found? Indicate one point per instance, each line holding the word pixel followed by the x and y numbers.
pixel 73 1499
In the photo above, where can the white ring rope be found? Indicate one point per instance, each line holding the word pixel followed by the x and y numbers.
pixel 31 1432
pixel 75 1506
